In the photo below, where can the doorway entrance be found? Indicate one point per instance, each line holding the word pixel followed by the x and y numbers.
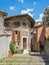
pixel 24 43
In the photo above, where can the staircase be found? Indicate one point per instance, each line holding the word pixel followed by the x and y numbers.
pixel 24 59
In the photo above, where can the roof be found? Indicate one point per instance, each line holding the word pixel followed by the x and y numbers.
pixel 36 26
pixel 22 15
pixel 3 13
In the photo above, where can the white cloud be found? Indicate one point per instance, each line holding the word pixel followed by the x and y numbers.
pixel 31 14
pixel 21 1
pixel 11 7
pixel 40 18
pixel 34 3
pixel 28 12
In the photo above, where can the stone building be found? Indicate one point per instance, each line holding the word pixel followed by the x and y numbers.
pixel 4 38
pixel 40 34
pixel 15 28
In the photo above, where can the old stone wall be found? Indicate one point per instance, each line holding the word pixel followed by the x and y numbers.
pixel 4 46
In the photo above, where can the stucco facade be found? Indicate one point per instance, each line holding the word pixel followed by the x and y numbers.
pixel 17 29
pixel 4 38
pixel 47 32
pixel 40 33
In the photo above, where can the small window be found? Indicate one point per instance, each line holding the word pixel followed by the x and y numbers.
pixel 35 30
pixel 16 32
pixel 17 24
pixel 24 23
pixel 6 23
pixel 31 33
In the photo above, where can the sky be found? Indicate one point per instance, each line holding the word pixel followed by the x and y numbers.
pixel 34 8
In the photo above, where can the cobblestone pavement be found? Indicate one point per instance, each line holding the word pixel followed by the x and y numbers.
pixel 39 59
pixel 25 59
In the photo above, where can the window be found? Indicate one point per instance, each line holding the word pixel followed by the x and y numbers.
pixel 24 23
pixel 31 33
pixel 35 31
pixel 6 23
pixel 17 24
pixel 16 32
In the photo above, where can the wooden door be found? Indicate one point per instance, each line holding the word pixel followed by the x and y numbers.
pixel 24 43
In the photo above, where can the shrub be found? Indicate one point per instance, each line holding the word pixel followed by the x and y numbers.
pixel 19 50
pixel 48 39
pixel 12 47
pixel 22 50
pixel 46 45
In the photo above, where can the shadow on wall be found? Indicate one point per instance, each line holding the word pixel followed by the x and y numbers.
pixel 46 48
pixel 34 43
pixel 38 40
pixel 42 38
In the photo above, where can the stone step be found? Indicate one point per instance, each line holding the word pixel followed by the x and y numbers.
pixel 25 59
